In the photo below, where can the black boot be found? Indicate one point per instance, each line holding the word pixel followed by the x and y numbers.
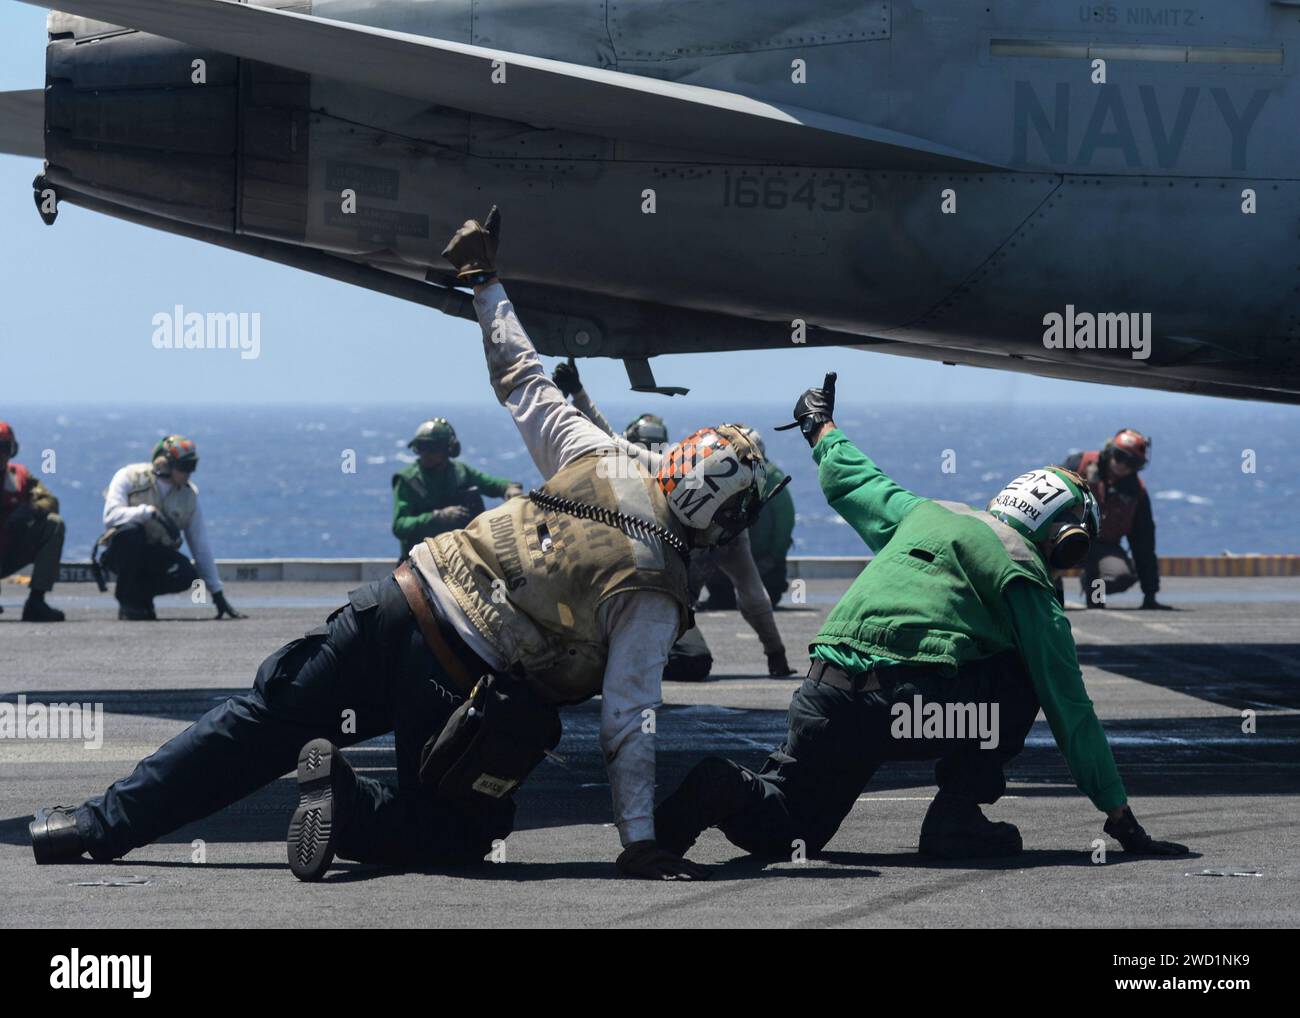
pixel 956 828
pixel 130 612
pixel 36 610
pixel 54 835
pixel 327 787
pixel 714 791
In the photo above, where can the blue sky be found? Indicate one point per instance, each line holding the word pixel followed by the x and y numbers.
pixel 77 302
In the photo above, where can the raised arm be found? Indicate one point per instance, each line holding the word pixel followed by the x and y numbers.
pixel 870 501
pixel 553 431
pixel 570 382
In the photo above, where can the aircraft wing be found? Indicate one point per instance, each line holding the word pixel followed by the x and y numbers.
pixel 537 91
pixel 22 123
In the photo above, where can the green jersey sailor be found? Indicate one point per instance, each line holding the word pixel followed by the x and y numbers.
pixel 953 623
pixel 437 492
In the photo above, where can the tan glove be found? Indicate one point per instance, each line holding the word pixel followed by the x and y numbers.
pixel 473 249
pixel 43 500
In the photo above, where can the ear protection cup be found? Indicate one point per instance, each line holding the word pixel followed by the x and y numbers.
pixel 161 467
pixel 1070 543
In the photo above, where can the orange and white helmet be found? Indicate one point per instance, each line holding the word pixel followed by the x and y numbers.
pixel 713 481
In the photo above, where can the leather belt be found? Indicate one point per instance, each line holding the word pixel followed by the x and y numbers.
pixel 413 590
pixel 858 682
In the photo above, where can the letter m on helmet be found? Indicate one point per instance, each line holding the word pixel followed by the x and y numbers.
pixel 688 499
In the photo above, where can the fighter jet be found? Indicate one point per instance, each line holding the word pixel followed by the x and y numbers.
pixel 1095 191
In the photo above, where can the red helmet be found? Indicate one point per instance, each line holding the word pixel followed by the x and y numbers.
pixel 8 444
pixel 1132 445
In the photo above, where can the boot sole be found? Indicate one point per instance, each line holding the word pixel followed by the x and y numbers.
pixel 310 840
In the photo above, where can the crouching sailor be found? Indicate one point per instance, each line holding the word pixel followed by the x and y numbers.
pixel 466 651
pixel 954 618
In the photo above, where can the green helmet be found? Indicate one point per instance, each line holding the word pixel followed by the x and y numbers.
pixel 1051 506
pixel 174 451
pixel 436 435
pixel 648 430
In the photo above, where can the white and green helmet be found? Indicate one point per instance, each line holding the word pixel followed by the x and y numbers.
pixel 1051 505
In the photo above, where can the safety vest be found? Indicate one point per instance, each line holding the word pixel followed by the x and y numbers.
pixel 531 580
pixel 179 504
pixel 14 492
pixel 1117 507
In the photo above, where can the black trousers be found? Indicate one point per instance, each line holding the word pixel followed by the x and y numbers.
pixel 364 673
pixel 835 742
pixel 1111 564
pixel 690 659
pixel 722 594
pixel 145 570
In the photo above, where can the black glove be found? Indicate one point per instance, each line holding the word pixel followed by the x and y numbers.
pixel 453 517
pixel 473 249
pixel 777 666
pixel 1129 833
pixel 645 860
pixel 1149 603
pixel 566 377
pixel 815 408
pixel 223 606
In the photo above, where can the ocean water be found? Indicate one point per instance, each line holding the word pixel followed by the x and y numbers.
pixel 272 482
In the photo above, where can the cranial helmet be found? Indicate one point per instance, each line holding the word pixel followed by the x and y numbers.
pixel 713 481
pixel 1131 445
pixel 8 444
pixel 1052 507
pixel 648 431
pixel 174 452
pixel 436 435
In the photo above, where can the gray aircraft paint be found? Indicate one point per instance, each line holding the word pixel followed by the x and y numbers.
pixel 1122 197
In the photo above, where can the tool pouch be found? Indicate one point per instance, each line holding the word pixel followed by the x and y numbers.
pixel 492 742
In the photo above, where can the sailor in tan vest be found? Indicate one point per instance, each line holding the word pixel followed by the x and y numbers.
pixel 149 510
pixel 465 652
